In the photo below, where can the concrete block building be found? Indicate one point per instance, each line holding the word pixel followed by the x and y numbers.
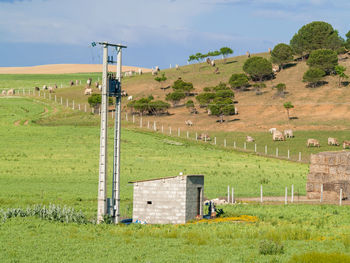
pixel 332 170
pixel 168 200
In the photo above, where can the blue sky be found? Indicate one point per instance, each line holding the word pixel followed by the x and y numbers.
pixel 157 32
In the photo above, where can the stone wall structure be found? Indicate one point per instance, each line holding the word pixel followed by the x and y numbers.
pixel 332 170
pixel 169 200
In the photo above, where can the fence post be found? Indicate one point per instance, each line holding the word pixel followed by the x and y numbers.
pixel 85 108
pixel 205 138
pixel 233 196
pixel 73 105
pixel 265 149
pixel 178 132
pixel 187 135
pixel 286 196
pixel 67 103
pixel 39 93
pixel 234 145
pixel 170 130
pixel 255 148
pixel 92 110
pixel 276 152
pixel 126 116
pixel 215 140
pixel 225 146
pixel 288 154
pixel 61 101
pixel 299 156
pixel 196 136
pixel 321 198
pixel 261 193
pixel 133 118
pixel 24 92
pixel 340 196
pixel 154 126
pixel 147 124
pixel 245 146
pixel 292 193
pixel 141 122
pixel 228 194
pixel 162 129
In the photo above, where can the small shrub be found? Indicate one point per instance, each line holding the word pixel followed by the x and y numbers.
pixel 268 247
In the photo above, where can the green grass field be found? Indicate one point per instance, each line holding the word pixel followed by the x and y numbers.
pixel 54 159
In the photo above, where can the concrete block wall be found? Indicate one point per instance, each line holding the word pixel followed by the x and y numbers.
pixel 168 197
pixel 332 170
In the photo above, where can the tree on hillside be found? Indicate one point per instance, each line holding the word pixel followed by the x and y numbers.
pixel 280 89
pixel 213 53
pixel 257 68
pixel 175 97
pixel 281 54
pixel 205 98
pixel 288 105
pixel 313 76
pixel 161 79
pixel 340 70
pixel 239 81
pixel 347 41
pixel 324 59
pixel 147 105
pixel 181 86
pixel 95 100
pixel 225 51
pixel 221 107
pixel 313 36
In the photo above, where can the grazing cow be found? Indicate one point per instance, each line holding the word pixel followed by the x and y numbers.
pixel 346 144
pixel 333 141
pixel 177 66
pixel 272 130
pixel 189 123
pixel 87 91
pixel 96 84
pixel 249 139
pixel 248 54
pixel 37 88
pixel 288 133
pixel 140 71
pixel 100 87
pixel 157 69
pixel 88 82
pixel 3 92
pixel 278 136
pixel 44 87
pixel 313 142
pixel 71 83
pixel 11 92
pixel 124 93
pixel 212 63
pixel 130 98
pixel 275 68
pixel 208 61
pixel 154 72
pixel 203 137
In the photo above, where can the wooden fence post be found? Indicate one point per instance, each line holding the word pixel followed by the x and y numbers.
pixel 61 101
pixel 178 132
pixel 261 193
pixel 225 145
pixel 228 194
pixel 292 193
pixel 234 144
pixel 133 118
pixel 126 116
pixel 196 136
pixel 170 130
pixel 340 197
pixel 141 122
pixel 73 105
pixel 162 129
pixel 245 146
pixel 286 196
pixel 215 140
pixel 154 126
pixel 187 135
pixel 265 149
pixel 85 108
pixel 299 156
pixel 67 103
pixel 233 196
pixel 321 197
pixel 255 148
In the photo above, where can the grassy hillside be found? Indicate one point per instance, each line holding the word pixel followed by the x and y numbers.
pixel 48 157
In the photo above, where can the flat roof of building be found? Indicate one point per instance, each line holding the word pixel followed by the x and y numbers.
pixel 169 177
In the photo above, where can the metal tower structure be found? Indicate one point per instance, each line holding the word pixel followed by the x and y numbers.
pixel 111 87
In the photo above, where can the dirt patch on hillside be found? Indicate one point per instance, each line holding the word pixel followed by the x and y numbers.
pixel 16 123
pixel 45 111
pixel 26 122
pixel 65 69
